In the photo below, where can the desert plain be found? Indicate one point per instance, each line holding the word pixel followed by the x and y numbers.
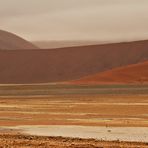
pixel 64 115
pixel 74 74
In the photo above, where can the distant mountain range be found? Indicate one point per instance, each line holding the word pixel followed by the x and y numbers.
pixel 64 43
pixel 87 64
pixel 90 64
pixel 9 41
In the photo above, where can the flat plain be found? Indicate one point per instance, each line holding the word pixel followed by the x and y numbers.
pixel 72 105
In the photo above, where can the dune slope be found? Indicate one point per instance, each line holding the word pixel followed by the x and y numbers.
pixel 11 41
pixel 56 65
pixel 136 73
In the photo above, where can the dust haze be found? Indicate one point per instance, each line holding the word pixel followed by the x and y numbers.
pixel 102 20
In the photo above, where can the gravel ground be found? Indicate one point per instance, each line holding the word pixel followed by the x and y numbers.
pixel 25 141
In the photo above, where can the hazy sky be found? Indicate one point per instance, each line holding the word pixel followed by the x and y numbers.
pixel 103 20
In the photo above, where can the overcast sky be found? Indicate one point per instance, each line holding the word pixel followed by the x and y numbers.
pixel 102 20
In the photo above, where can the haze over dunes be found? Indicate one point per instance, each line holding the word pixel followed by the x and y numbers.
pixel 11 41
pixel 102 20
pixel 64 64
pixel 64 43
pixel 136 73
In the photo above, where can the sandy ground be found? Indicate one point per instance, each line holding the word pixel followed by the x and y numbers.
pixel 94 110
pixel 24 141
pixel 117 109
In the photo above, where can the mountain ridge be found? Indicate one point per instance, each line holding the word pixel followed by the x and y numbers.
pixel 10 41
pixel 65 64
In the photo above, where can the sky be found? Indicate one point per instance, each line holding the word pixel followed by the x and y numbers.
pixel 101 20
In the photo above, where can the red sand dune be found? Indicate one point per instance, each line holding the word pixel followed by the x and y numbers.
pixel 56 65
pixel 11 41
pixel 136 73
